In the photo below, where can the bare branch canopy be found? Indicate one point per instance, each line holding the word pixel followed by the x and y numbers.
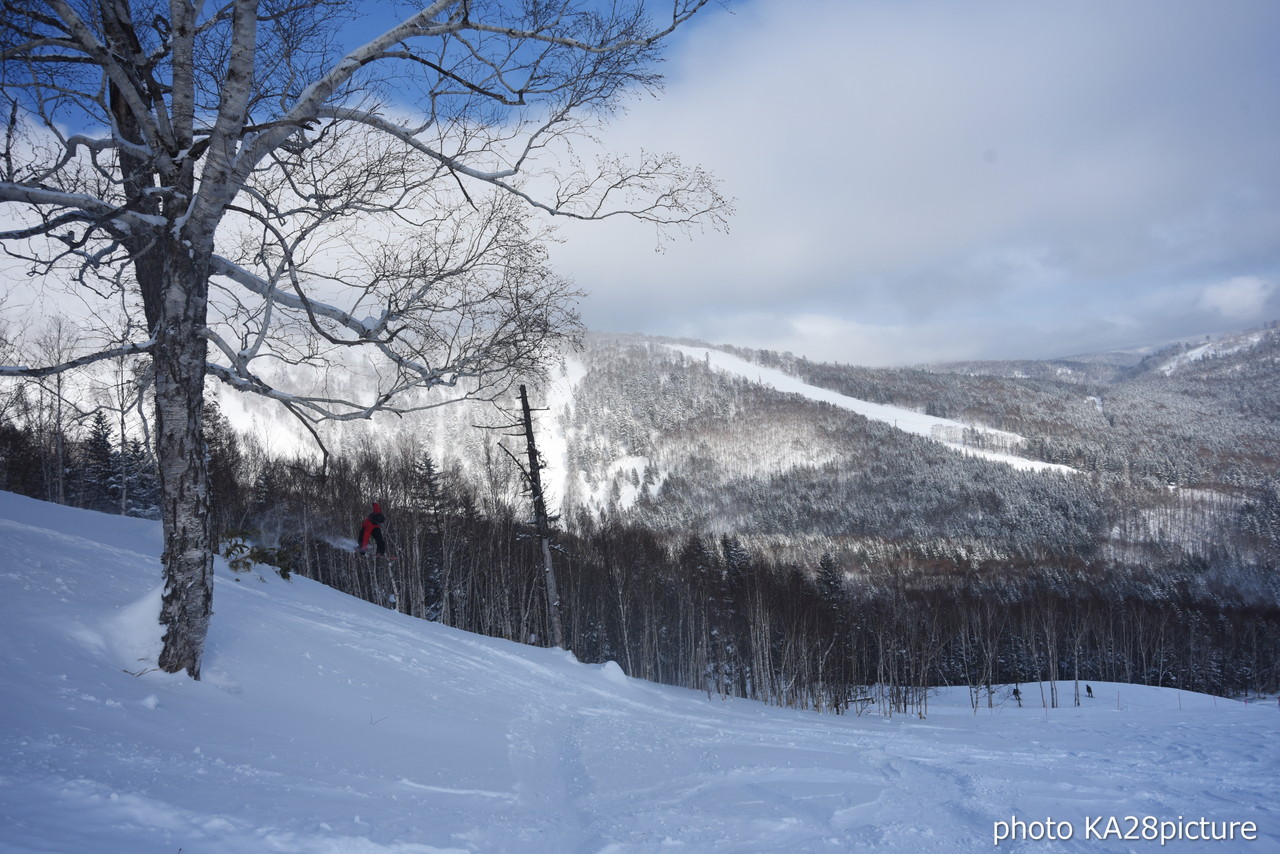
pixel 274 185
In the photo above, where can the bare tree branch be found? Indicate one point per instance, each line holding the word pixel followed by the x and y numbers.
pixel 235 176
pixel 80 362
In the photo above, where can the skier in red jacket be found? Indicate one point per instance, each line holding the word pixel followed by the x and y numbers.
pixel 372 527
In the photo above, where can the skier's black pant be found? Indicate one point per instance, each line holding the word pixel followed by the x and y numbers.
pixel 375 534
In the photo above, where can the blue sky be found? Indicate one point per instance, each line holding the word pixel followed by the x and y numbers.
pixel 921 180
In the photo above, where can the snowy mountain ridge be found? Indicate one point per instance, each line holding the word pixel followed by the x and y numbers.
pixel 684 437
pixel 622 473
pixel 327 725
pixel 1242 343
pixel 443 426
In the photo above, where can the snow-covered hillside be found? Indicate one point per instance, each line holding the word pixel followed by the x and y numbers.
pixel 592 489
pixel 325 725
pixel 943 430
pixel 1171 360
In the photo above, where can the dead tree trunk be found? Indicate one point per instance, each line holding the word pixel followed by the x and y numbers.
pixel 542 520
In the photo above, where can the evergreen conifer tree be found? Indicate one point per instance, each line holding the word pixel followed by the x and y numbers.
pixel 142 486
pixel 830 580
pixel 428 499
pixel 100 470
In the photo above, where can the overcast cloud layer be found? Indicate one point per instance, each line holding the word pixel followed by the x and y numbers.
pixel 922 181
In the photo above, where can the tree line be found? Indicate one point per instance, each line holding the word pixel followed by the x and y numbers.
pixel 857 625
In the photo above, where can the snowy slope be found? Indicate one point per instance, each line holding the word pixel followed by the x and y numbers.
pixel 944 430
pixel 325 725
pixel 1225 346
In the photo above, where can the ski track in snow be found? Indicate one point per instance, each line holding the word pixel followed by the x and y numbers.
pixel 325 725
pixel 907 420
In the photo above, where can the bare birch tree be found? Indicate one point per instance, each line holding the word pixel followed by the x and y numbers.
pixel 267 196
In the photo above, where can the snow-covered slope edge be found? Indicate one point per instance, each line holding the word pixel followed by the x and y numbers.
pixel 944 430
pixel 1209 349
pixel 329 725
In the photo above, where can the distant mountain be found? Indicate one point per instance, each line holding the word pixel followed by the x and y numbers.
pixel 682 436
pixel 1107 456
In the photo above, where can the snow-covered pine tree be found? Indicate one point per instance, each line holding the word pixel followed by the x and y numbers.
pixel 143 481
pixel 429 502
pixel 830 581
pixel 100 471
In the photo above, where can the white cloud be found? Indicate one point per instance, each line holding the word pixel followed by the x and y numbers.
pixel 1242 298
pixel 832 339
pixel 951 169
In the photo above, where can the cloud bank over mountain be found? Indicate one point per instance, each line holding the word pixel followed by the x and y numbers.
pixel 923 181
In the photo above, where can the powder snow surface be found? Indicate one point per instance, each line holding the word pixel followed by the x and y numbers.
pixel 325 725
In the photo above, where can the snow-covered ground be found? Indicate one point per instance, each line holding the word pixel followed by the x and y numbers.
pixel 325 725
pixel 944 430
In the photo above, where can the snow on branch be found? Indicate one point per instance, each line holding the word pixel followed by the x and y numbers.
pixel 50 370
pixel 257 285
pixel 94 208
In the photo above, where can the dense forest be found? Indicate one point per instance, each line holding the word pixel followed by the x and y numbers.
pixel 719 535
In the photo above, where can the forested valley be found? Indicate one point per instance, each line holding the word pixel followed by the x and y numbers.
pixel 717 534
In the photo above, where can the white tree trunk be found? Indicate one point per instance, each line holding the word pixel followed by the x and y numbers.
pixel 179 355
